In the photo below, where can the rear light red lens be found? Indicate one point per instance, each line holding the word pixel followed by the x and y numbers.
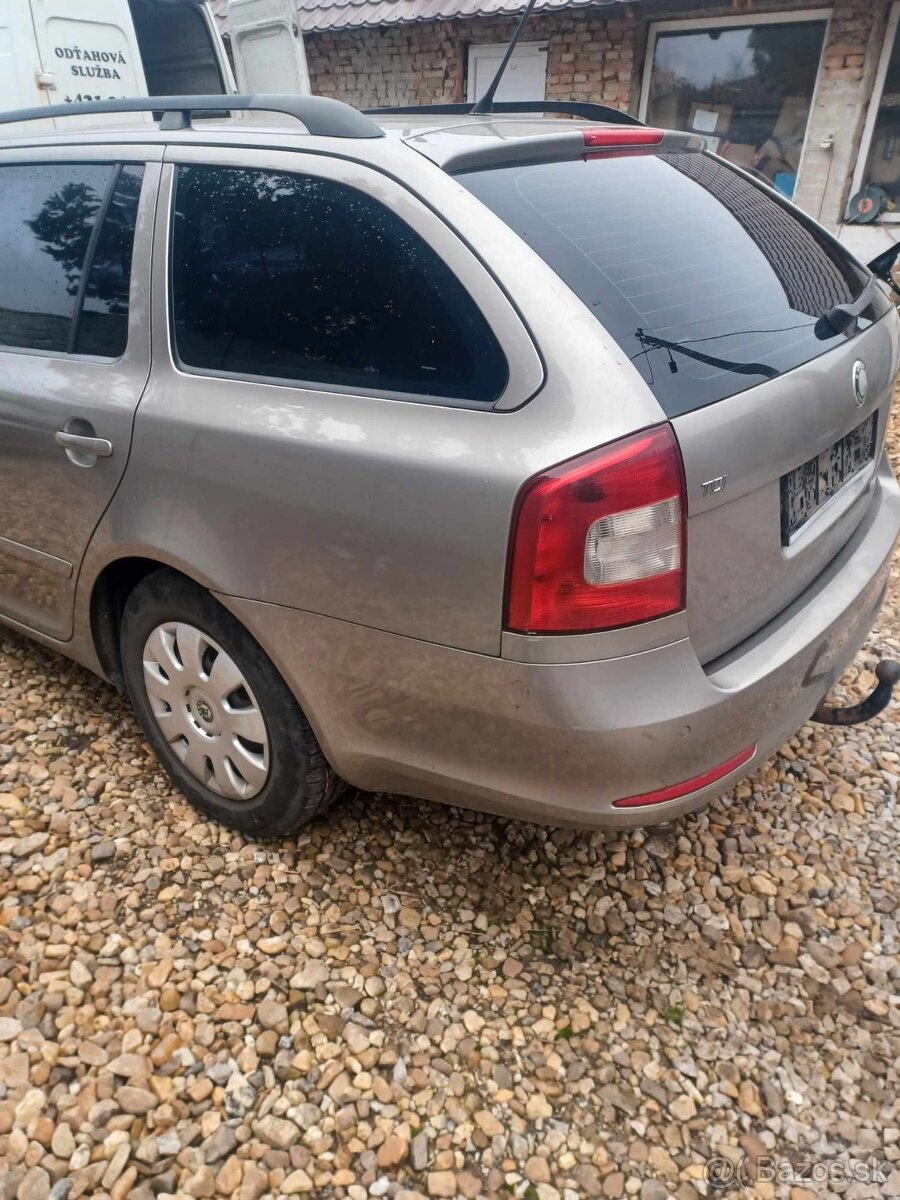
pixel 688 785
pixel 599 542
pixel 619 138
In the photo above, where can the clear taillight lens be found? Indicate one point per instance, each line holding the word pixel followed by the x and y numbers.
pixel 635 544
pixel 599 542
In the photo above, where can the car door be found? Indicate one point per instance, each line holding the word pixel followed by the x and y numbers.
pixel 75 240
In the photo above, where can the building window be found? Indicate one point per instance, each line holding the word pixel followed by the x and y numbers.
pixel 525 78
pixel 746 84
pixel 876 185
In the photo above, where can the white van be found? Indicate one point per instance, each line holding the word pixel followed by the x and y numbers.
pixel 70 51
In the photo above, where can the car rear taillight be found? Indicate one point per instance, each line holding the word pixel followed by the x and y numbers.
pixel 599 541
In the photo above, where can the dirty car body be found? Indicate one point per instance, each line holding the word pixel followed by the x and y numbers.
pixel 575 514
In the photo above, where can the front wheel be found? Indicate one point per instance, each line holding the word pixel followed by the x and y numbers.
pixel 223 722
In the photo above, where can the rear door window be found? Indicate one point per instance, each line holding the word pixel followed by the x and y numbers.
pixel 66 234
pixel 47 215
pixel 709 283
pixel 296 277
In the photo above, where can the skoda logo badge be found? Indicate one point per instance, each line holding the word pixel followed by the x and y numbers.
pixel 860 382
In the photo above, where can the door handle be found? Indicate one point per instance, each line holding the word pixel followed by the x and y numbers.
pixel 98 447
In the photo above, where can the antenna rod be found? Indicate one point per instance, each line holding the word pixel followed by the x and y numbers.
pixel 485 104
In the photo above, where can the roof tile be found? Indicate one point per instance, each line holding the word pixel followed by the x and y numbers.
pixel 316 16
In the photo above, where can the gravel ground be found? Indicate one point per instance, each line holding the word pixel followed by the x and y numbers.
pixel 411 1000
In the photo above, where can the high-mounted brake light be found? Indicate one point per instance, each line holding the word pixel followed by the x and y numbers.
pixel 599 542
pixel 622 138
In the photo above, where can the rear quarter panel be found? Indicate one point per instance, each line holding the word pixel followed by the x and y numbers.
pixel 387 513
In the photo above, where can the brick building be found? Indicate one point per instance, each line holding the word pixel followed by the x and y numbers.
pixel 805 91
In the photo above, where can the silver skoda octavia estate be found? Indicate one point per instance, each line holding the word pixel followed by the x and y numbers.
pixel 530 465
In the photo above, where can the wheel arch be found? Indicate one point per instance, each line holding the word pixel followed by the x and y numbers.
pixel 109 595
pixel 116 580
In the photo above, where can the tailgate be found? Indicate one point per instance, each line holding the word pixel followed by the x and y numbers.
pixel 744 566
pixel 747 321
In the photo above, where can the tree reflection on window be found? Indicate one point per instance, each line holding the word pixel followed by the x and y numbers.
pixel 64 226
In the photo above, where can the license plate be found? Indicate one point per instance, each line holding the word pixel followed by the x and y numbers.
pixel 808 488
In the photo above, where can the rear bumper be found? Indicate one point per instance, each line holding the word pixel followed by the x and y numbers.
pixel 559 743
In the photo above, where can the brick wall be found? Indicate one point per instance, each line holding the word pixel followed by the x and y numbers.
pixel 592 56
pixel 589 58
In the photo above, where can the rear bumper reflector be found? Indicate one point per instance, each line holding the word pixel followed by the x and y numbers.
pixel 675 790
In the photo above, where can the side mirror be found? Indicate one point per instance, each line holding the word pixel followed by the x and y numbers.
pixel 882 266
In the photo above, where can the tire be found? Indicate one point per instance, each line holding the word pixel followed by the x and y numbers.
pixel 244 755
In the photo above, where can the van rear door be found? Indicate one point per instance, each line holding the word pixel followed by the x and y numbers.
pixel 19 61
pixel 87 51
pixel 269 55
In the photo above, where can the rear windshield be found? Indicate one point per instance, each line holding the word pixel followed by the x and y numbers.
pixel 709 283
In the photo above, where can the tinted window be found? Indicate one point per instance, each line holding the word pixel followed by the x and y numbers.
pixel 301 278
pixel 103 324
pixel 708 282
pixel 47 215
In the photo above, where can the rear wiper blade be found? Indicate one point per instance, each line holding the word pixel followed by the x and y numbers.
pixel 650 341
pixel 843 317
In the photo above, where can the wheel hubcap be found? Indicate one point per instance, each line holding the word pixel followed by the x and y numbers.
pixel 206 710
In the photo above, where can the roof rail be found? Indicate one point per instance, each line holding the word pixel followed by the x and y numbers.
pixel 321 116
pixel 573 108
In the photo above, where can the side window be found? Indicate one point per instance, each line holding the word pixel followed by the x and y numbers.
pixel 295 277
pixel 48 218
pixel 47 214
pixel 103 322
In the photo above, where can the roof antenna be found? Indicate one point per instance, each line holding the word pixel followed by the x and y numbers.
pixel 485 105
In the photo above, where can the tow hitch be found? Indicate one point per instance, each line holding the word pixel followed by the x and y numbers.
pixel 888 675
